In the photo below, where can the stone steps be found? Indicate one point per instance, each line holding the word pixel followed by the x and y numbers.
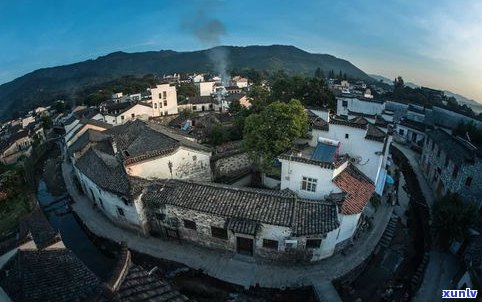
pixel 389 232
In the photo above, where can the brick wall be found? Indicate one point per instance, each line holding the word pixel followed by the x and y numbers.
pixel 231 165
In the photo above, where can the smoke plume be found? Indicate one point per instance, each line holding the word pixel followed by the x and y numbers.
pixel 209 30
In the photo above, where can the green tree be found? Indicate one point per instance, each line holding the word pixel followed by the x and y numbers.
pixel 398 83
pixel 217 135
pixel 273 130
pixel 452 217
pixel 46 121
pixel 259 97
pixel 186 90
pixel 319 73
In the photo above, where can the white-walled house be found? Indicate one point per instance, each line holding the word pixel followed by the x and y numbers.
pixel 254 222
pixel 139 110
pixel 358 104
pixel 206 88
pixel 148 153
pixel 164 100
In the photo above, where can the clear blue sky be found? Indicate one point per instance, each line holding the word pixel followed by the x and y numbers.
pixel 437 43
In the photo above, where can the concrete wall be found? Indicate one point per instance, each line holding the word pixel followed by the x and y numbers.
pixel 186 164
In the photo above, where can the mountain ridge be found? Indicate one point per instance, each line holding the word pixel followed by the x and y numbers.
pixel 44 85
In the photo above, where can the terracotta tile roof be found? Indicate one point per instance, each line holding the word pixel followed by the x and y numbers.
pixel 48 275
pixel 359 189
pixel 246 204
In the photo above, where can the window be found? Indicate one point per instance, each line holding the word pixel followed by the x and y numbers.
pixel 401 131
pixel 346 135
pixel 194 157
pixel 164 95
pixel 160 95
pixel 165 103
pixel 133 115
pixel 219 233
pixel 189 224
pixel 194 108
pixel 455 172
pixel 155 105
pixel 468 181
pixel 344 103
pixel 120 211
pixel 122 117
pixel 309 184
pixel 313 243
pixel 270 244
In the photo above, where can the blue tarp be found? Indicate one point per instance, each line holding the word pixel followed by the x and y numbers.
pixel 324 152
pixel 390 180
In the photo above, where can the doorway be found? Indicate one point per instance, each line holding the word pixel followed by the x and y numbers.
pixel 244 246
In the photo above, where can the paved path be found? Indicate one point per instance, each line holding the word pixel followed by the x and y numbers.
pixel 442 266
pixel 414 160
pixel 228 266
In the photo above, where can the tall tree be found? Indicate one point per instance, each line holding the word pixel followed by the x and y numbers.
pixel 259 97
pixel 452 217
pixel 273 130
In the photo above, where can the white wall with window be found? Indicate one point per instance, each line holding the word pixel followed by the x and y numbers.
pixel 345 104
pixel 119 210
pixel 164 100
pixel 308 181
pixel 367 154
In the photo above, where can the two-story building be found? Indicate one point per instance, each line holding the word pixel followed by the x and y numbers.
pixel 164 100
pixel 452 165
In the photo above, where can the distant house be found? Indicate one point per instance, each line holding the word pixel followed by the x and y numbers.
pixel 197 103
pixel 358 104
pixel 240 82
pixel 452 165
pixel 164 100
pixel 18 143
pixel 206 88
pixel 139 110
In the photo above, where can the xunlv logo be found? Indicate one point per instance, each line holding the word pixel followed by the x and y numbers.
pixel 459 293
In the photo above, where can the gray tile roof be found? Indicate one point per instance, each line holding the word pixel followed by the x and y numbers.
pixel 241 226
pixel 246 204
pixel 136 141
pixel 139 285
pixel 39 229
pixel 48 275
pixel 455 149
pixel 105 170
pixel 90 135
pixel 374 133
